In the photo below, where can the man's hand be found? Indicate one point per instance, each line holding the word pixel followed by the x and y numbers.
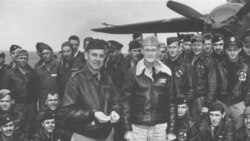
pixel 101 117
pixel 128 136
pixel 114 117
pixel 171 137
pixel 204 110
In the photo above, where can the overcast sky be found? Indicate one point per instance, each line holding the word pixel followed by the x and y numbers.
pixel 26 22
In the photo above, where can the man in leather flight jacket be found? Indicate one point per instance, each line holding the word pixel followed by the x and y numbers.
pixel 181 70
pixel 89 104
pixel 233 80
pixel 148 100
pixel 203 77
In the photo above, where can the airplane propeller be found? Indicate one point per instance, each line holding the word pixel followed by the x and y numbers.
pixel 185 10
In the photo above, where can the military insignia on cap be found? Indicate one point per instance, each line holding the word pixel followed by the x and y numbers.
pixel 242 76
pixel 182 136
pixel 232 39
pixel 8 118
pixel 178 73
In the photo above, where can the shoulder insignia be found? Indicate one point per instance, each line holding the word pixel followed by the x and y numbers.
pixel 242 76
pixel 178 73
pixel 182 136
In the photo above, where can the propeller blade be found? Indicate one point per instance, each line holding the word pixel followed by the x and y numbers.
pixel 244 10
pixel 185 10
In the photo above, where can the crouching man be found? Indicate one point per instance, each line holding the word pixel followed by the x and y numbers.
pixel 216 127
pixel 8 129
pixel 48 130
pixel 148 100
pixel 243 134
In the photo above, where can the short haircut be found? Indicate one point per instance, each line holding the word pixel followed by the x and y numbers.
pixel 208 36
pixel 216 106
pixel 74 37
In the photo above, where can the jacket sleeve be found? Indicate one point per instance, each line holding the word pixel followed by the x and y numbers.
pixel 188 77
pixel 172 109
pixel 6 82
pixel 70 113
pixel 212 82
pixel 229 133
pixel 239 85
pixel 128 86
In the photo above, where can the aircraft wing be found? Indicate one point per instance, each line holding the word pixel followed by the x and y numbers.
pixel 160 26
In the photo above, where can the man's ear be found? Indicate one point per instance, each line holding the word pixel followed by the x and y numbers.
pixel 224 114
pixel 239 49
pixel 12 101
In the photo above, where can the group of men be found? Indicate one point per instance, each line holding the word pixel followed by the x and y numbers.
pixel 193 88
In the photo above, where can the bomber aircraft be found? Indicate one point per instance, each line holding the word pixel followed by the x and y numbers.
pixel 231 18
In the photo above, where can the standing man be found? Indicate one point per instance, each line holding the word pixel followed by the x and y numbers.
pixel 133 57
pixel 79 59
pixel 208 43
pixel 39 53
pixel 187 49
pixel 163 56
pixel 64 68
pixel 216 127
pixel 138 37
pixel 218 46
pixel 21 81
pixel 203 77
pixel 149 107
pixel 246 57
pixel 46 75
pixel 233 76
pixel 181 69
pixel 13 51
pixel 3 66
pixel 89 104
pixel 114 61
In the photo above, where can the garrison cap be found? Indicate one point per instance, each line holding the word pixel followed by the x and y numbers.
pixel 48 115
pixel 246 111
pixel 14 47
pixel 5 118
pixel 113 45
pixel 46 46
pixel 198 38
pixel 171 40
pixel 207 36
pixel 217 37
pixel 22 52
pixel 134 44
pixel 150 41
pixel 4 92
pixel 181 101
pixel 2 55
pixel 97 44
pixel 233 41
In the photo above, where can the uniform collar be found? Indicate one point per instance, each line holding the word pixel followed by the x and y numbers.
pixel 159 66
